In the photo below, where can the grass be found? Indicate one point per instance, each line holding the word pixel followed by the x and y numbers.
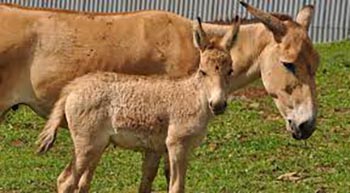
pixel 246 149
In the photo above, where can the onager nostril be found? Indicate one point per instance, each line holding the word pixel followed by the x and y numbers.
pixel 303 127
pixel 211 104
pixel 307 128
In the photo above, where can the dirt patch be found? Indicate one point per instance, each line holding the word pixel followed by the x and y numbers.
pixel 325 168
pixel 250 93
pixel 341 110
pixel 17 143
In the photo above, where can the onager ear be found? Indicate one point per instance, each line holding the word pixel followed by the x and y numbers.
pixel 230 37
pixel 273 23
pixel 200 38
pixel 304 16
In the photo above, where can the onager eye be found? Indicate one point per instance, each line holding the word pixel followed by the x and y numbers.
pixel 290 67
pixel 202 73
pixel 230 72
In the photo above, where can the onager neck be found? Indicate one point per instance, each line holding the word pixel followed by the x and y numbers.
pixel 246 53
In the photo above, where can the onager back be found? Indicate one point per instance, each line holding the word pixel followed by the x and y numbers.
pixel 142 113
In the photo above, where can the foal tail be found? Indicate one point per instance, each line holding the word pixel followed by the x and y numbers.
pixel 48 136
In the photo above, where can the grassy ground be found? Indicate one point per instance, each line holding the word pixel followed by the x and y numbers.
pixel 246 150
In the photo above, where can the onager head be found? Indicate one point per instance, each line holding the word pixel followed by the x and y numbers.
pixel 215 68
pixel 288 66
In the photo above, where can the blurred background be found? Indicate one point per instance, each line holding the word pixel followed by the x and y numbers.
pixel 331 21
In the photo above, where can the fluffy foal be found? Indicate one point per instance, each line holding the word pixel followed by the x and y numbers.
pixel 152 114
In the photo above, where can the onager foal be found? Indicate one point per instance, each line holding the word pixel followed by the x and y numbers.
pixel 142 113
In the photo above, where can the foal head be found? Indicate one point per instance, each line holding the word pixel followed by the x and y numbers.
pixel 215 68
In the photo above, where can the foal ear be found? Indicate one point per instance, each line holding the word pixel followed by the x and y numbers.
pixel 230 37
pixel 304 16
pixel 200 38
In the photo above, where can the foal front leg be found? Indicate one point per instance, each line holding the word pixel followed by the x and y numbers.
pixel 149 171
pixel 178 152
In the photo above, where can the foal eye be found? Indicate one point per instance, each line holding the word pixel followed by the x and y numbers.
pixel 202 73
pixel 290 67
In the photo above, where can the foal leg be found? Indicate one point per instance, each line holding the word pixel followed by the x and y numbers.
pixel 88 158
pixel 149 171
pixel 62 180
pixel 86 178
pixel 178 151
pixel 88 151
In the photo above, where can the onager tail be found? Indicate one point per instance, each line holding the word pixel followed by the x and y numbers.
pixel 48 136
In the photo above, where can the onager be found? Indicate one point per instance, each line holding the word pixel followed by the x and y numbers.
pixel 42 50
pixel 142 113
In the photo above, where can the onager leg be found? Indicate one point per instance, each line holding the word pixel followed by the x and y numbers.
pixel 3 111
pixel 149 171
pixel 167 169
pixel 178 150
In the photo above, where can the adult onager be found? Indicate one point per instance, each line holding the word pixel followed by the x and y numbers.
pixel 42 50
pixel 150 113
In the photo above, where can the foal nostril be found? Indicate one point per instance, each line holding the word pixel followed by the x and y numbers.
pixel 218 108
pixel 289 121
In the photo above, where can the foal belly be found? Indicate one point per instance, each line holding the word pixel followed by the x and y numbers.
pixel 139 140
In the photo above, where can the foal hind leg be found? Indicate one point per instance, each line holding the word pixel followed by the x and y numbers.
pixel 88 149
pixel 86 178
pixel 87 159
pixel 149 171
pixel 67 172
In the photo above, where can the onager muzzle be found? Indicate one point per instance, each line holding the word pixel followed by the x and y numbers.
pixel 303 130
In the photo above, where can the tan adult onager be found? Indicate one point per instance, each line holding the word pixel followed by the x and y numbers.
pixel 41 50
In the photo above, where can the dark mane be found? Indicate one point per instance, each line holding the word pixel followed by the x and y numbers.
pixel 245 21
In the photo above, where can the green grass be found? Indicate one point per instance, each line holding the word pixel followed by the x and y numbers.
pixel 246 149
